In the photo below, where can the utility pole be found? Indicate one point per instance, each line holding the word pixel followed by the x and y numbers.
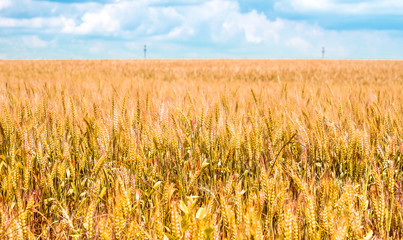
pixel 145 51
pixel 323 52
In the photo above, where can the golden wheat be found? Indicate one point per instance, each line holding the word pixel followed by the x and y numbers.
pixel 201 149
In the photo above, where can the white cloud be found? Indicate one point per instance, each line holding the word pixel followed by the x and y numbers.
pixel 252 27
pixel 5 4
pixel 258 28
pixel 101 22
pixel 34 42
pixel 68 25
pixel 223 22
pixel 126 18
pixel 220 19
pixel 197 27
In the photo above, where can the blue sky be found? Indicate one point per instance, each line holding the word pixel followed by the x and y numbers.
pixel 54 29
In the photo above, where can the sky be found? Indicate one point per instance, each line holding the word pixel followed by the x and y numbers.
pixel 119 29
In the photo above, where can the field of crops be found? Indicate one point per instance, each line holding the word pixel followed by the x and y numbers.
pixel 201 149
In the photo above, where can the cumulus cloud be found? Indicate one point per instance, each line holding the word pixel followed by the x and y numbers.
pixel 200 27
pixel 121 17
pixel 220 19
pixel 4 3
pixel 222 22
pixel 100 22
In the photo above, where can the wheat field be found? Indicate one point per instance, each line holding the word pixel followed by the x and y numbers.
pixel 201 149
